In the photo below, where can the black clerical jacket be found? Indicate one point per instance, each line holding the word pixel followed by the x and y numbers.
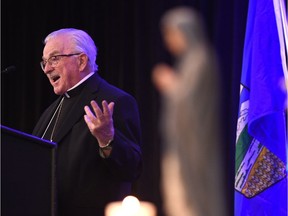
pixel 86 182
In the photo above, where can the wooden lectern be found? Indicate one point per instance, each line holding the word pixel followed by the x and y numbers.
pixel 27 175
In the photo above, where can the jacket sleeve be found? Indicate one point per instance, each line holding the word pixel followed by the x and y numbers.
pixel 125 160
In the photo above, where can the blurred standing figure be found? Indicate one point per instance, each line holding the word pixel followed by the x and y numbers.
pixel 192 166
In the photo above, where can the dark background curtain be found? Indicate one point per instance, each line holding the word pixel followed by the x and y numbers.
pixel 129 43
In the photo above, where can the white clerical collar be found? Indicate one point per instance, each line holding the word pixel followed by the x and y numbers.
pixel 81 81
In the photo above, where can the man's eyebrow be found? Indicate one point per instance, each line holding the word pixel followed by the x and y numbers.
pixel 51 54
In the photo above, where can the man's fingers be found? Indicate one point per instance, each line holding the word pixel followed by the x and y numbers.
pixel 87 120
pixel 108 108
pixel 88 112
pixel 97 110
pixel 111 107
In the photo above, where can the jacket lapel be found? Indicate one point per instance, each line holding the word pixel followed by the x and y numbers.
pixel 45 119
pixel 76 112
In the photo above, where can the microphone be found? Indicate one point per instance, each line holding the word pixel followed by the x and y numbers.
pixel 9 69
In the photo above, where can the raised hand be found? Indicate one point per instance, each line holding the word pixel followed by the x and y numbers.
pixel 100 123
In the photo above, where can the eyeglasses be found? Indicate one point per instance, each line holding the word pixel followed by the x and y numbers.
pixel 53 60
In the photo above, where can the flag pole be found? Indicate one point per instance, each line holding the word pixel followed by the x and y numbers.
pixel 281 20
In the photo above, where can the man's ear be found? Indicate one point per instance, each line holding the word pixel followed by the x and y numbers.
pixel 83 61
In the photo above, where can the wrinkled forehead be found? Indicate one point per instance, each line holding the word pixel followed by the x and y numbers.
pixel 57 45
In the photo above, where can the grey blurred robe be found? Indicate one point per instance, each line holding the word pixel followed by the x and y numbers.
pixel 192 162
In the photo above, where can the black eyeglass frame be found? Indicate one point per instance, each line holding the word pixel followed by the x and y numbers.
pixel 53 60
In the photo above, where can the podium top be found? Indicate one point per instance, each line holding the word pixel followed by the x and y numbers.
pixel 26 136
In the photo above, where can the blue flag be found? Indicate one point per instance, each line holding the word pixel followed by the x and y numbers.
pixel 260 161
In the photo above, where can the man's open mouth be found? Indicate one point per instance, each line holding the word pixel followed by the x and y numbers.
pixel 55 78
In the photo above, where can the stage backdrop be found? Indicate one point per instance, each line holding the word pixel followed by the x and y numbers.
pixel 129 44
